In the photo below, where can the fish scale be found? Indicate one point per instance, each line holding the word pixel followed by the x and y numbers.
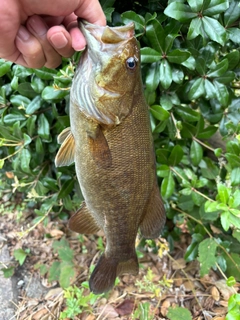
pixel 113 154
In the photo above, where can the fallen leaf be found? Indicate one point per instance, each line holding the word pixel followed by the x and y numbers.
pixel 125 308
pixel 164 307
pixel 179 264
pixel 224 289
pixel 215 293
pixel 108 311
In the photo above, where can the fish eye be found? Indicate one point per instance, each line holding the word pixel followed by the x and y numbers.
pixel 131 63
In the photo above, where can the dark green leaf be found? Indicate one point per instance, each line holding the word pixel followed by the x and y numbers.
pixel 14 117
pixel 232 13
pixel 49 93
pixel 222 93
pixel 219 69
pixel 20 255
pixel 196 5
pixel 37 84
pixel 165 74
pixel 167 186
pixel 176 156
pixel 177 76
pixel 210 89
pixel 25 160
pixel 235 177
pixel 196 152
pixel 67 274
pixel 234 35
pixel 179 11
pixel 233 160
pixel 197 89
pixel 131 16
pixel 207 132
pixel 228 77
pixel 187 113
pixel 216 7
pixel 166 102
pixel 194 28
pixel 178 56
pixel 45 73
pixel 214 30
pixel 54 271
pixel 18 100
pixel 152 77
pixel 34 105
pixel 25 89
pixel 233 58
pixel 159 113
pixel 43 127
pixel 156 36
pixel 5 66
pixel 67 187
pixel 149 55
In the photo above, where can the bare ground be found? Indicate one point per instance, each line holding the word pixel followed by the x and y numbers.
pixel 27 295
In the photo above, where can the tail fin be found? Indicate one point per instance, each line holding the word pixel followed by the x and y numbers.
pixel 106 271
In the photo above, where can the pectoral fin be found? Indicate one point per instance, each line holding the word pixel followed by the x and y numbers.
pixel 99 148
pixel 83 222
pixel 65 155
pixel 155 216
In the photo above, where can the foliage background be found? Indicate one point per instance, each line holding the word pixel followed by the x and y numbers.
pixel 190 69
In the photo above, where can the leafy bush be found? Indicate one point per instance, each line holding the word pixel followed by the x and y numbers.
pixel 190 68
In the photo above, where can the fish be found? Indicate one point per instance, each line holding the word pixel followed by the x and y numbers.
pixel 111 143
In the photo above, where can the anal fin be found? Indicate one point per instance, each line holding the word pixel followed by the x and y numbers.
pixel 83 222
pixel 66 153
pixel 155 216
pixel 99 148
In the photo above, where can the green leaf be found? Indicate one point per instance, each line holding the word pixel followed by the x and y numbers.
pixel 54 271
pixel 20 255
pixel 8 272
pixel 214 30
pixel 49 93
pixel 179 11
pixel 34 105
pixel 206 133
pixel 13 117
pixel 178 56
pixel 223 193
pixel 43 127
pixel 232 13
pixel 234 35
pixel 179 313
pixel 37 84
pixel 196 5
pixel 197 89
pixel 216 7
pixel 176 156
pixel 25 160
pixel 156 36
pixel 228 77
pixel 131 16
pixel 187 113
pixel 219 69
pixel 196 153
pixel 159 113
pixel 149 55
pixel 207 258
pixel 167 186
pixel 222 93
pixel 235 176
pixel 5 66
pixel 233 160
pixel 225 221
pixel 67 187
pixel 67 274
pixel 210 89
pixel 45 73
pixel 194 28
pixel 18 100
pixel 165 74
pixel 152 77
pixel 25 89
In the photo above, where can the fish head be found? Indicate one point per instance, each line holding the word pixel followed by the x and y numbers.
pixel 110 68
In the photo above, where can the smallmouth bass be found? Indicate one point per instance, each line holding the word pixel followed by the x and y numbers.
pixel 111 143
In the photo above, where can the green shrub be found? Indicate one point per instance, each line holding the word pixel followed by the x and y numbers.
pixel 190 68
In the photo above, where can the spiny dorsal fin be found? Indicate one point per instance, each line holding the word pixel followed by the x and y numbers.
pixel 83 222
pixel 66 153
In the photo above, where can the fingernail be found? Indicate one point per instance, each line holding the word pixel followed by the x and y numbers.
pixel 59 40
pixel 37 26
pixel 23 34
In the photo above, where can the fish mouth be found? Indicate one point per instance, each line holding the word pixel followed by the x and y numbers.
pixel 105 34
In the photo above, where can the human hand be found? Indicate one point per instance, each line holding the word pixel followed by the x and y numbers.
pixel 37 33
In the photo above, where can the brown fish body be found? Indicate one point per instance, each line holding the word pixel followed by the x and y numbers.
pixel 113 153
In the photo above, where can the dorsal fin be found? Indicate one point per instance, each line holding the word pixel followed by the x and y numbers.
pixel 66 153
